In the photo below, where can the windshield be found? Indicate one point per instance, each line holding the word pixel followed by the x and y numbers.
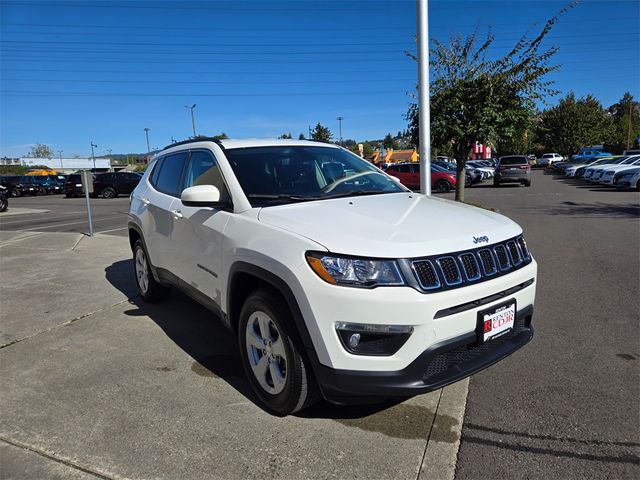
pixel 293 173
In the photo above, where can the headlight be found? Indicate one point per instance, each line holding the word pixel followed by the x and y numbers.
pixel 353 271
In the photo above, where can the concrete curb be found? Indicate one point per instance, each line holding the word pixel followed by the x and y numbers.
pixel 441 453
pixel 12 212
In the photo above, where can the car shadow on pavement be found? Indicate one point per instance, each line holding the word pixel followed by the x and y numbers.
pixel 594 210
pixel 202 335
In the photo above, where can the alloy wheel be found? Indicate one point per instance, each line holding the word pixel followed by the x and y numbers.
pixel 266 352
pixel 142 271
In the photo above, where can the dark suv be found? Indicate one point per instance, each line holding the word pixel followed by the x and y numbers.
pixel 513 169
pixel 73 186
pixel 19 185
pixel 110 185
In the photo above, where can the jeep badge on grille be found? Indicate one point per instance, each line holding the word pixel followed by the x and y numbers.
pixel 483 239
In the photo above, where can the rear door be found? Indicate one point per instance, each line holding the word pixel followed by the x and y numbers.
pixel 157 220
pixel 198 231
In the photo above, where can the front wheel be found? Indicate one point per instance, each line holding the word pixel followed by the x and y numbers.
pixel 271 355
pixel 527 183
pixel 15 193
pixel 148 288
pixel 4 203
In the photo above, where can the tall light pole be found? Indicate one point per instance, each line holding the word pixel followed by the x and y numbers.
pixel 146 132
pixel 193 118
pixel 93 157
pixel 340 121
pixel 423 96
pixel 60 154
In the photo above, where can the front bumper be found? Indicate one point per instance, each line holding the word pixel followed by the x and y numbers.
pixel 439 365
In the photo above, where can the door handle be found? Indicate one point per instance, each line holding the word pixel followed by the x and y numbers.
pixel 176 214
pixel 146 201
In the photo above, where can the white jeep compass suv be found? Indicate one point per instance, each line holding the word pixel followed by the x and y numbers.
pixel 337 280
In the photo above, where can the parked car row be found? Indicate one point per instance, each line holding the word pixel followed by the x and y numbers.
pixel 507 169
pixel 106 185
pixel 622 172
pixel 19 185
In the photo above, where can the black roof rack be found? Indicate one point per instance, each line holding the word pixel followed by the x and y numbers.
pixel 197 139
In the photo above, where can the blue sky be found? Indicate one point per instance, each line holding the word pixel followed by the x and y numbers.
pixel 75 72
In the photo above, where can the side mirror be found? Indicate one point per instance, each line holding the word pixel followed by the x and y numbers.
pixel 201 196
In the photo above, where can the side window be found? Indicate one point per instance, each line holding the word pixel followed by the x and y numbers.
pixel 204 170
pixel 170 174
pixel 156 170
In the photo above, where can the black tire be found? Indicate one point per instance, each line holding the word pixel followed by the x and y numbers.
pixel 638 186
pixel 148 288
pixel 442 186
pixel 109 192
pixel 4 203
pixel 527 183
pixel 67 195
pixel 296 389
pixel 15 192
pixel 496 183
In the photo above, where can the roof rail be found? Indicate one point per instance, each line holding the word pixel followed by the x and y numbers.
pixel 197 139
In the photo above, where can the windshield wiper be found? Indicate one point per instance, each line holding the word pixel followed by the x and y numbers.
pixel 356 193
pixel 265 196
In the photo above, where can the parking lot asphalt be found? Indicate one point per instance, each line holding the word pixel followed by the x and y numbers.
pixel 565 406
pixel 95 384
pixel 60 214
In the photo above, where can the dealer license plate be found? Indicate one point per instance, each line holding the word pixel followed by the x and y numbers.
pixel 497 321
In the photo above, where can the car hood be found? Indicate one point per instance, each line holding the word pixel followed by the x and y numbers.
pixel 391 225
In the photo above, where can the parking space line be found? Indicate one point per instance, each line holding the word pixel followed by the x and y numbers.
pixel 66 224
pixel 113 230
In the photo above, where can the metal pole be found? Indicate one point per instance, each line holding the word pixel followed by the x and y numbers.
pixel 61 164
pixel 340 120
pixel 146 131
pixel 93 157
pixel 423 96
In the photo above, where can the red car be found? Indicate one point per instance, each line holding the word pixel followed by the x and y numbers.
pixel 409 174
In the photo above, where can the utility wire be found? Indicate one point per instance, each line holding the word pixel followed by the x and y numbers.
pixel 600 21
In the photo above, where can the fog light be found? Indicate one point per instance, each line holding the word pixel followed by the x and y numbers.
pixel 369 339
pixel 354 340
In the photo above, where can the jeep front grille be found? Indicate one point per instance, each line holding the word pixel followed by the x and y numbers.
pixel 441 272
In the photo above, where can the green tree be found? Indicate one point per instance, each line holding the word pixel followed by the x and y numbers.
pixel 389 141
pixel 40 150
pixel 572 124
pixel 475 98
pixel 285 136
pixel 623 124
pixel 222 136
pixel 301 137
pixel 321 134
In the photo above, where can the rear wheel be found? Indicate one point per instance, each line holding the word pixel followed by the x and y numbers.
pixel 496 183
pixel 443 186
pixel 15 192
pixel 272 356
pixel 4 203
pixel 638 186
pixel 109 192
pixel 148 288
pixel 527 183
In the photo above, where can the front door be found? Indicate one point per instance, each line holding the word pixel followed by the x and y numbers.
pixel 198 232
